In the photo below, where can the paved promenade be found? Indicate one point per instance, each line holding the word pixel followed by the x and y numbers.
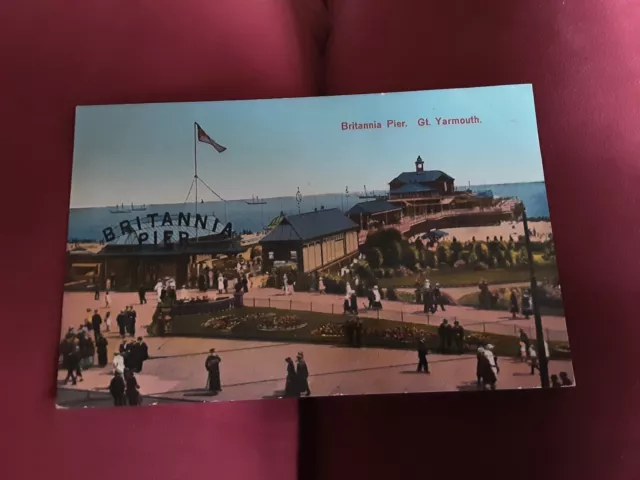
pixel 252 370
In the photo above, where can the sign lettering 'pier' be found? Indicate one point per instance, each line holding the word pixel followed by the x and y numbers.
pixel 207 224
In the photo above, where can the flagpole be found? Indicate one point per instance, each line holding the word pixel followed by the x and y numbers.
pixel 195 174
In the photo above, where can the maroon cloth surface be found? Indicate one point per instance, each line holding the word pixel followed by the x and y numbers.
pixel 583 60
pixel 55 55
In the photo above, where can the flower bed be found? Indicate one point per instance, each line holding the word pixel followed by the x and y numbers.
pixel 403 334
pixel 273 323
pixel 224 323
pixel 329 330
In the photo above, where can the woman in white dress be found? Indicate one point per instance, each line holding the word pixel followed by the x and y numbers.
pixel 158 288
pixel 321 287
pixel 107 298
pixel 220 283
pixel 118 363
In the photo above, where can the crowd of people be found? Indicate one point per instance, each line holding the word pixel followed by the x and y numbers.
pixel 80 347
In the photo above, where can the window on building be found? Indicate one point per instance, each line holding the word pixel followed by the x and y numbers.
pixel 294 255
pixel 271 255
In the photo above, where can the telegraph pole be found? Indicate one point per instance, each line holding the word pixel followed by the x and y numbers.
pixel 540 343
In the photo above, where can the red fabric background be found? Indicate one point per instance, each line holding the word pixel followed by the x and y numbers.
pixel 583 60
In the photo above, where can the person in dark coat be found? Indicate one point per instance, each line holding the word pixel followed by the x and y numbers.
pixel 354 303
pixel 116 389
pixel 514 304
pixel 458 336
pixel 96 290
pixel 202 283
pixel 302 373
pixel 438 299
pixel 101 346
pixel 427 299
pixel 131 388
pixel 71 361
pixel 131 321
pixel 121 320
pixel 96 322
pixel 443 335
pixel 423 364
pixel 245 284
pixel 291 384
pixel 143 352
pixel 555 382
pixel 565 380
pixel 142 294
pixel 212 365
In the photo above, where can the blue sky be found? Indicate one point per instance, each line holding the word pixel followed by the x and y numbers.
pixel 145 153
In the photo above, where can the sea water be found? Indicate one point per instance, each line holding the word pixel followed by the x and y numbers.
pixel 86 224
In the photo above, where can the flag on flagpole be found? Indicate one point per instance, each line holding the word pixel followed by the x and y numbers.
pixel 204 138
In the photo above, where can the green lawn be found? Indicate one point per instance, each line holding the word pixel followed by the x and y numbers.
pixel 466 278
pixel 191 325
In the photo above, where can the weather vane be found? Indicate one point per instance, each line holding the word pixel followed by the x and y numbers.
pixel 298 199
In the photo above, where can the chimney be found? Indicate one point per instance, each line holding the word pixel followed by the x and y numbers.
pixel 419 165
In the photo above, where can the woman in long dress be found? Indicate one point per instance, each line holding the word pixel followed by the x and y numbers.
pixel 291 386
pixel 132 387
pixel 101 346
pixel 212 364
pixel 321 287
pixel 220 284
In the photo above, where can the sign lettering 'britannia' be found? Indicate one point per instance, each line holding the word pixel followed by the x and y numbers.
pixel 156 228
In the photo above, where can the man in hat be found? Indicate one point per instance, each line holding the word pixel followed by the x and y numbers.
pixel 116 388
pixel 438 298
pixel 444 332
pixel 96 322
pixel 212 365
pixel 302 372
pixel 458 336
pixel 121 320
pixel 423 364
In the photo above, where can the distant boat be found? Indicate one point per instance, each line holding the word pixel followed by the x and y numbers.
pixel 139 208
pixel 369 196
pixel 120 209
pixel 256 201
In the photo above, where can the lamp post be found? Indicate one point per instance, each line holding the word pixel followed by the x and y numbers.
pixel 541 350
pixel 298 199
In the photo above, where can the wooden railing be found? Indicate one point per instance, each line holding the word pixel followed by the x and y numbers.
pixel 407 222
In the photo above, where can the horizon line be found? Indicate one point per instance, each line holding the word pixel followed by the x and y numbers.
pixel 351 193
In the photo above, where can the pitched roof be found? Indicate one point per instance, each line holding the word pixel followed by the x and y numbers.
pixel 411 188
pixel 376 206
pixel 420 177
pixel 307 226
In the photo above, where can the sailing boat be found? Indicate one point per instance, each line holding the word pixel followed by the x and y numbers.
pixel 120 209
pixel 139 208
pixel 256 201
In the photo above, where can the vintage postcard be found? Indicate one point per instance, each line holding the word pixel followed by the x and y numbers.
pixel 352 245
